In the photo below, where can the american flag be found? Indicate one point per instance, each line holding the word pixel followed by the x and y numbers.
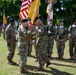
pixel 24 8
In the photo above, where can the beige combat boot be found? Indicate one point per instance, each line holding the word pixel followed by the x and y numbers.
pixel 23 71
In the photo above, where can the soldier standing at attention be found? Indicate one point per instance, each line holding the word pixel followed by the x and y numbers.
pixel 41 44
pixel 23 38
pixel 72 40
pixel 51 33
pixel 61 38
pixel 10 36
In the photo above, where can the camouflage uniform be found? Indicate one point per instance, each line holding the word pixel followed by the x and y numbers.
pixel 61 38
pixel 72 41
pixel 29 47
pixel 42 45
pixel 51 33
pixel 10 36
pixel 34 38
pixel 23 38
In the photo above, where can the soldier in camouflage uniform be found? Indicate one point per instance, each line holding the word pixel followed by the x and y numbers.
pixel 41 44
pixel 51 33
pixel 72 40
pixel 61 38
pixel 10 36
pixel 23 38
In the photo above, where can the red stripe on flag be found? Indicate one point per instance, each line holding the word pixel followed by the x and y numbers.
pixel 24 5
pixel 20 16
pixel 24 14
pixel 24 8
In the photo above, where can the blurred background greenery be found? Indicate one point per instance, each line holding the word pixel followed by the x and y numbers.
pixel 63 9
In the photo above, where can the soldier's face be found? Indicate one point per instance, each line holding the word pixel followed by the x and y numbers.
pixel 61 23
pixel 12 23
pixel 38 22
pixel 51 22
pixel 74 23
pixel 25 24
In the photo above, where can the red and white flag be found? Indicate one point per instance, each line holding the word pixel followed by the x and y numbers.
pixel 24 8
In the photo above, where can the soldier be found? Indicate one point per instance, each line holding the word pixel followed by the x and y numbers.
pixel 23 38
pixel 41 44
pixel 61 38
pixel 10 36
pixel 72 40
pixel 51 33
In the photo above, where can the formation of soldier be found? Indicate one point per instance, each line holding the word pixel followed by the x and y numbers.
pixel 72 40
pixel 42 37
pixel 10 36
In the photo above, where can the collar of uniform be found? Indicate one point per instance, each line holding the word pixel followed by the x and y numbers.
pixel 50 24
pixel 73 25
pixel 61 26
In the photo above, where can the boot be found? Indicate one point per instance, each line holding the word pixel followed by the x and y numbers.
pixel 39 69
pixel 11 62
pixel 23 71
pixel 59 56
pixel 75 59
pixel 71 58
pixel 49 55
pixel 47 64
pixel 36 59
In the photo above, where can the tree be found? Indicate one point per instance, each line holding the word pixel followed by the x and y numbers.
pixel 65 9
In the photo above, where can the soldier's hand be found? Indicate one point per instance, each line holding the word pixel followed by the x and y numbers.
pixel 30 27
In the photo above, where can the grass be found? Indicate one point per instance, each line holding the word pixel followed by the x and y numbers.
pixel 58 67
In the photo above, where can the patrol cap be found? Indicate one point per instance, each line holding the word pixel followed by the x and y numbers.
pixel 12 20
pixel 24 20
pixel 74 20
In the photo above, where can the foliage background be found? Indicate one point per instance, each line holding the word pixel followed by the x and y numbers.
pixel 12 8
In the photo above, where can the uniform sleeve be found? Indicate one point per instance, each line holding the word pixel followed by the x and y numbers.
pixel 69 28
pixel 7 34
pixel 56 33
pixel 40 31
pixel 19 32
pixel 66 34
pixel 69 31
pixel 17 37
